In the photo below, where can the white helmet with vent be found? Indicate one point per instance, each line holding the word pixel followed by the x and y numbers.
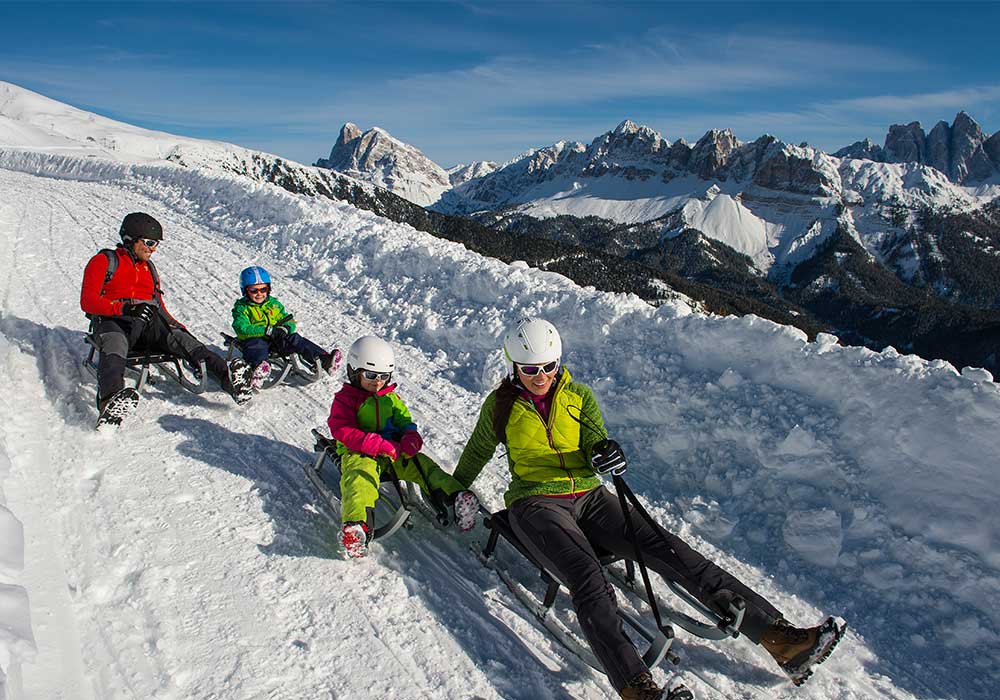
pixel 532 341
pixel 371 353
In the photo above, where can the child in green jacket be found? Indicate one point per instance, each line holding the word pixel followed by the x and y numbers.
pixel 263 327
pixel 376 433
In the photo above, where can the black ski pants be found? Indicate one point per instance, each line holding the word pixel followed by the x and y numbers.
pixel 115 336
pixel 562 534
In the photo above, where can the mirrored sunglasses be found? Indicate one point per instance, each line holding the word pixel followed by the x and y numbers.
pixel 376 376
pixel 532 370
pixel 150 242
pixel 258 290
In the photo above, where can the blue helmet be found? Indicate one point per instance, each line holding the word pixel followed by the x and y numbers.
pixel 254 275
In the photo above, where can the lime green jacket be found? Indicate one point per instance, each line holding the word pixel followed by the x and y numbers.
pixel 251 320
pixel 544 457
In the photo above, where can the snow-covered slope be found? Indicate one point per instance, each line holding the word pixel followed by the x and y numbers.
pixel 183 558
pixel 30 120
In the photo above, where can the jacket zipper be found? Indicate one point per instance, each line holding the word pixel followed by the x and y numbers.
pixel 548 434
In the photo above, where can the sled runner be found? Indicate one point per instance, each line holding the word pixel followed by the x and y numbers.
pixel 397 499
pixel 282 365
pixel 657 635
pixel 139 362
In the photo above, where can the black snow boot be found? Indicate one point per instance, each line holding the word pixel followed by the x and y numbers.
pixel 116 407
pixel 240 377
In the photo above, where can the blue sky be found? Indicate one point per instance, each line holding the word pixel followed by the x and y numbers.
pixel 468 80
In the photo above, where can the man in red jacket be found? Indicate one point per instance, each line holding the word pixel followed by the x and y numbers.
pixel 126 310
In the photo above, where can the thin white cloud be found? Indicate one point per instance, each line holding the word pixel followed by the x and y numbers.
pixel 909 104
pixel 659 66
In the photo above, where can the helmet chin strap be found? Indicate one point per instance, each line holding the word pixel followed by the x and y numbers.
pixel 129 245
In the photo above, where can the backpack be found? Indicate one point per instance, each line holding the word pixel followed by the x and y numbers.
pixel 112 257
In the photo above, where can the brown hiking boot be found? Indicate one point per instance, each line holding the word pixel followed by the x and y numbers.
pixel 797 650
pixel 643 687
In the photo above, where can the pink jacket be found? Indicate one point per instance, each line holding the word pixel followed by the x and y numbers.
pixel 345 427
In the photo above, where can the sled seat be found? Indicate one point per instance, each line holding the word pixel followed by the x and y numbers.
pixel 283 363
pixel 715 626
pixel 139 361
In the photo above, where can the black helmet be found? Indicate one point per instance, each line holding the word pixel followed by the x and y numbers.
pixel 138 225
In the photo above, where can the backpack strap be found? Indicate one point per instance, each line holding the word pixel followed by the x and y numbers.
pixel 112 257
pixel 156 278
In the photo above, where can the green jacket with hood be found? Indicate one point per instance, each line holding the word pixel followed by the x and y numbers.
pixel 251 320
pixel 544 457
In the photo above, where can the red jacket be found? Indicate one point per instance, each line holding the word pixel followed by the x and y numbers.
pixel 132 280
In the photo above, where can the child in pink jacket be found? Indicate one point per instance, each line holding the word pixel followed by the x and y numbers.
pixel 376 434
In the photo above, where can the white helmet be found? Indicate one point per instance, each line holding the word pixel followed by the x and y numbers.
pixel 371 353
pixel 532 341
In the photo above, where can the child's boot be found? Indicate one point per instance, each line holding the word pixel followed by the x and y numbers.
pixel 354 537
pixel 260 375
pixel 466 506
pixel 330 361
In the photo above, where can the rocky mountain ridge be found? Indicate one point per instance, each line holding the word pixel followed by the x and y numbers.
pixel 960 150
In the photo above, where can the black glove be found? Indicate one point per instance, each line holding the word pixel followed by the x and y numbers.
pixel 608 458
pixel 140 311
pixel 286 320
pixel 276 332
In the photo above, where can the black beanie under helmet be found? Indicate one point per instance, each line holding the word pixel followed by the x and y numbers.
pixel 138 225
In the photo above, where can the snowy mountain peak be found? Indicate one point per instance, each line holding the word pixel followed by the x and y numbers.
pixel 712 151
pixel 348 132
pixel 379 158
pixel 626 127
pixel 628 140
pixel 461 174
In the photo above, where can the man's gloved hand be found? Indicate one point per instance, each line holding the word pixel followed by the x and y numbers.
pixel 140 311
pixel 276 332
pixel 411 442
pixel 608 458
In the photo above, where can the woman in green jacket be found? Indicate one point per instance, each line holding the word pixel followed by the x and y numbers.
pixel 556 444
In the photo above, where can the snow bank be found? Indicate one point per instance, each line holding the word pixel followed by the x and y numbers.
pixel 17 644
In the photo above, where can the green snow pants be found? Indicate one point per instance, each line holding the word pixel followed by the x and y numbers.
pixel 360 476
